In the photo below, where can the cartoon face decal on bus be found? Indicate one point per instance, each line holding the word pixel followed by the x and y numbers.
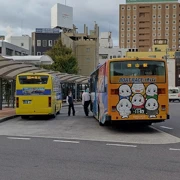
pixel 138 102
pixel 138 99
pixel 124 91
pixel 152 108
pixel 152 91
pixel 124 108
pixel 138 88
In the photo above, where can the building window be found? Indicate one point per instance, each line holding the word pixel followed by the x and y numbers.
pixel 167 22
pixel 174 34
pixel 104 56
pixel 174 6
pixel 154 35
pixel 134 7
pixel 22 44
pixel 129 8
pixel 114 56
pixel 159 22
pixel 174 27
pixel 159 7
pixel 167 7
pixel 174 15
pixel 44 43
pixel 38 42
pixel 154 22
pixel 128 40
pixel 122 7
pixel 122 35
pixel 55 41
pixel 154 16
pixel 122 29
pixel 159 16
pixel 87 49
pixel 50 43
pixel 128 17
pixel 174 40
pixel 134 29
pixel 159 28
pixel 38 53
pixel 159 34
pixel 174 22
pixel 122 17
pixel 134 40
pixel 134 35
pixel 122 23
pixel 134 17
pixel 174 46
pixel 128 23
pixel 167 28
pixel 122 41
pixel 128 29
pixel 110 57
pixel 167 16
pixel 154 7
pixel 154 28
pixel 128 35
pixel 167 34
pixel 134 22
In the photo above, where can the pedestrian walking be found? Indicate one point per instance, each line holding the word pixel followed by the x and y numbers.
pixel 86 101
pixel 69 101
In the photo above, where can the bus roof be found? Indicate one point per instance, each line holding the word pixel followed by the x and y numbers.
pixel 30 73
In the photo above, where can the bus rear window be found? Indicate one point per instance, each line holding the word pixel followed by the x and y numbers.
pixel 33 79
pixel 137 68
pixel 140 68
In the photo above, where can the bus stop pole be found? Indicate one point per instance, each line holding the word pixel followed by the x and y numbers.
pixel 13 92
pixel 75 92
pixel 1 94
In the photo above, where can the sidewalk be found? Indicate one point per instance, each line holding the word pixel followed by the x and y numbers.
pixel 7 113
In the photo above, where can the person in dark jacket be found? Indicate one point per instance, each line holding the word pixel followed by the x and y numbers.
pixel 69 101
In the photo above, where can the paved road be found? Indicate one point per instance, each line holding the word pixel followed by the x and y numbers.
pixel 172 126
pixel 83 128
pixel 78 148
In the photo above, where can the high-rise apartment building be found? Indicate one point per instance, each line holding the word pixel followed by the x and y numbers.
pixel 142 21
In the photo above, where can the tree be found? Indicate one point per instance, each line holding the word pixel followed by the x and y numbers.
pixel 64 60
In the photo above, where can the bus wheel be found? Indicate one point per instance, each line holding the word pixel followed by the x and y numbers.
pixel 100 123
pixel 24 117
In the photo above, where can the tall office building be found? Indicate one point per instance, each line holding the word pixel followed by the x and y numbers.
pixel 143 21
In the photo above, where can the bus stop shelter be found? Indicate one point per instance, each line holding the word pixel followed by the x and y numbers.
pixel 9 69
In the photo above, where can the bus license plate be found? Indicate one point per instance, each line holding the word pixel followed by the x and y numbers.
pixel 27 102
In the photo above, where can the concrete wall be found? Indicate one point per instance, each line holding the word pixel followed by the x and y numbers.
pixel 171 72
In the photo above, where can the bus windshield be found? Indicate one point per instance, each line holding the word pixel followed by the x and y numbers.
pixel 33 79
pixel 137 69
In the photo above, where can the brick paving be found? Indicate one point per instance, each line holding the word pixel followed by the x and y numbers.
pixel 5 112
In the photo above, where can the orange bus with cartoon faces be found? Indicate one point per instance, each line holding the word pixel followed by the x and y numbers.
pixel 130 90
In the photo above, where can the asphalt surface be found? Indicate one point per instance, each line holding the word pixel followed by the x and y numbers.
pixel 78 148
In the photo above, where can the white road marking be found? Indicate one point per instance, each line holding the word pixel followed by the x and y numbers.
pixel 123 145
pixel 75 142
pixel 18 138
pixel 172 149
pixel 166 127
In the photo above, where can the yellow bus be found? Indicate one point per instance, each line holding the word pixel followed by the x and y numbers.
pixel 38 94
pixel 130 90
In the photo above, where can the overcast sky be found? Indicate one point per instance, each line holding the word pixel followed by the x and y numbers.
pixel 31 14
pixel 23 16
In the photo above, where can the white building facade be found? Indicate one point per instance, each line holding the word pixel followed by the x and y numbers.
pixel 8 49
pixel 23 41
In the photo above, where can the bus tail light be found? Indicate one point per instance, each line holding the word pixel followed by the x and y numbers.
pixel 113 108
pixel 49 101
pixel 161 91
pixel 163 107
pixel 114 91
pixel 17 102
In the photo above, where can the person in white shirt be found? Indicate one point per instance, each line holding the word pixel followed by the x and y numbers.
pixel 86 101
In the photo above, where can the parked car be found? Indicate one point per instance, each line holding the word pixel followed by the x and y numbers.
pixel 174 94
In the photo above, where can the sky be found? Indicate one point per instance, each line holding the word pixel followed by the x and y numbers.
pixel 19 17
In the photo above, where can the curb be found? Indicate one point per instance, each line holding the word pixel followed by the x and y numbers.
pixel 8 118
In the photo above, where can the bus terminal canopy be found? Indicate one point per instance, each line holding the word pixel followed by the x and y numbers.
pixel 9 69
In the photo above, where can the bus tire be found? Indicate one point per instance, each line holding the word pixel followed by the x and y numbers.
pixel 100 123
pixel 24 117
